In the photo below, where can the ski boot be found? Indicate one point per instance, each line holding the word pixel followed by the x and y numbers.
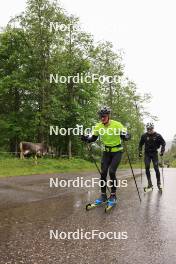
pixel 112 201
pixel 149 188
pixel 160 188
pixel 100 201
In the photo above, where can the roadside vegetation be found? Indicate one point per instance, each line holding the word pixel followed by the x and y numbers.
pixel 10 166
pixel 16 167
pixel 34 49
pixel 170 156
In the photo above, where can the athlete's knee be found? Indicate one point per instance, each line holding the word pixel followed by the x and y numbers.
pixel 103 175
pixel 156 166
pixel 157 170
pixel 104 170
pixel 147 168
pixel 112 174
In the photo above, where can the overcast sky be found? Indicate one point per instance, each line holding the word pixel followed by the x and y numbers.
pixel 145 31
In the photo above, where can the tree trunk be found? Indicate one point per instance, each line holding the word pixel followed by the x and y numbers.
pixel 69 147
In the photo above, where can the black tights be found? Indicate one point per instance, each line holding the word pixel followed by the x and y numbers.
pixel 111 161
pixel 154 158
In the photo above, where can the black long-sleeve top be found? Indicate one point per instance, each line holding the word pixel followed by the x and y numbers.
pixel 152 142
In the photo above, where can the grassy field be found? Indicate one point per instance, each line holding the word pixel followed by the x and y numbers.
pixel 16 167
pixel 173 164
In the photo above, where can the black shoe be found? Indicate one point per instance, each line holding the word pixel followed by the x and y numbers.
pixel 150 186
pixel 159 187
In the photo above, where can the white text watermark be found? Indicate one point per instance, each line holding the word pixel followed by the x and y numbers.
pixel 80 182
pixel 80 130
pixel 87 235
pixel 81 78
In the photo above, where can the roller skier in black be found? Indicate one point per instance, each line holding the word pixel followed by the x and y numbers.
pixel 152 141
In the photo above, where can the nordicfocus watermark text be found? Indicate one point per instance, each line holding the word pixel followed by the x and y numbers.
pixel 80 130
pixel 83 78
pixel 56 27
pixel 80 182
pixel 82 234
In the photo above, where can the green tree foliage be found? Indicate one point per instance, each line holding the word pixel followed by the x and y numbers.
pixel 32 47
pixel 170 157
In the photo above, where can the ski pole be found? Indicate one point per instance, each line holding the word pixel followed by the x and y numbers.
pixel 141 171
pixel 138 116
pixel 132 170
pixel 90 152
pixel 162 162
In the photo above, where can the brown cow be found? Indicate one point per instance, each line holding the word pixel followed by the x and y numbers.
pixel 36 149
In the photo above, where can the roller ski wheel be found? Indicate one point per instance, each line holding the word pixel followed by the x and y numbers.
pixel 148 189
pixel 90 206
pixel 108 208
pixel 111 203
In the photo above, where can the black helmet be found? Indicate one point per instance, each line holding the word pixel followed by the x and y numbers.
pixel 105 110
pixel 149 126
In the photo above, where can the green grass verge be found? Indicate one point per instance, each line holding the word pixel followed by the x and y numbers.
pixel 173 164
pixel 127 166
pixel 16 167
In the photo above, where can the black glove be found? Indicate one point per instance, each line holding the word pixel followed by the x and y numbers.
pixel 85 138
pixel 140 154
pixel 126 136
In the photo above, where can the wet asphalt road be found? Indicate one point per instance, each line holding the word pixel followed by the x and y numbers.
pixel 29 209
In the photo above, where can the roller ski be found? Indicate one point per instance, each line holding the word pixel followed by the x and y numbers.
pixel 98 202
pixel 112 201
pixel 148 189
